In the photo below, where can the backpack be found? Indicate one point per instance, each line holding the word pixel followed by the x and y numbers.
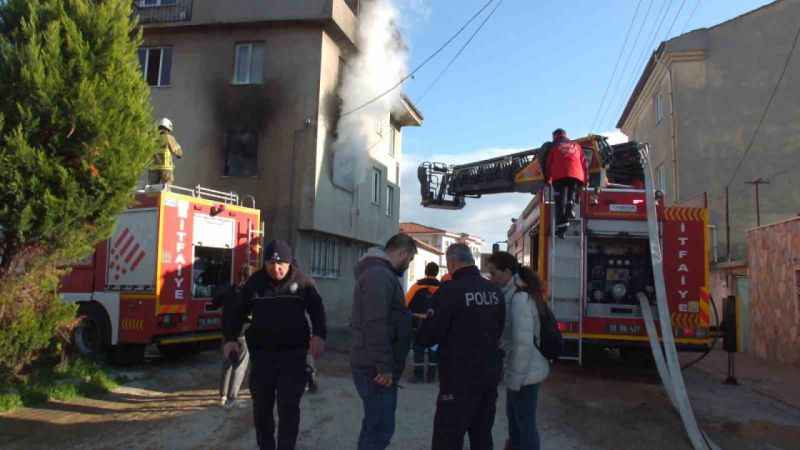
pixel 551 343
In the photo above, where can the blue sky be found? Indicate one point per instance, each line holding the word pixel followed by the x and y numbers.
pixel 534 67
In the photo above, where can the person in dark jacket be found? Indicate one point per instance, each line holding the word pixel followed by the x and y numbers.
pixel 567 172
pixel 466 321
pixel 278 297
pixel 381 337
pixel 418 302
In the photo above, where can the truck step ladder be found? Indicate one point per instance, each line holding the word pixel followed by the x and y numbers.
pixel 566 277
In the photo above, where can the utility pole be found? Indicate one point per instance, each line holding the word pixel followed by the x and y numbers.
pixel 727 225
pixel 755 184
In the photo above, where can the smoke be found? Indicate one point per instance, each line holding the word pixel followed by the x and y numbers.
pixel 378 65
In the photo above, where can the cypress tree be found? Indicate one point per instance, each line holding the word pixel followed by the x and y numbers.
pixel 76 132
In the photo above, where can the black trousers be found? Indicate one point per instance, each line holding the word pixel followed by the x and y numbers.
pixel 566 190
pixel 459 414
pixel 277 376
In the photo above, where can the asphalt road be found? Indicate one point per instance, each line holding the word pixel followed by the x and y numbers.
pixel 611 405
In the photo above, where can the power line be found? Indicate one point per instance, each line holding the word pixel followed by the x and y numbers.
pixel 643 57
pixel 616 65
pixel 460 51
pixel 766 108
pixel 691 16
pixel 627 61
pixel 421 65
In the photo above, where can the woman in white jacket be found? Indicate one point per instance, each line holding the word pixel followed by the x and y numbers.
pixel 525 367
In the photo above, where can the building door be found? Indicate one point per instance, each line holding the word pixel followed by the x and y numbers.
pixel 743 294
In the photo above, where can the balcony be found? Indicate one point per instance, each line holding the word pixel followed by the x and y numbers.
pixel 163 11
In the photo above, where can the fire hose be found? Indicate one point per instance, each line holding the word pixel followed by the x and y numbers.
pixel 666 356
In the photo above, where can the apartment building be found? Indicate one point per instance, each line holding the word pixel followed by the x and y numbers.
pixel 698 102
pixel 251 86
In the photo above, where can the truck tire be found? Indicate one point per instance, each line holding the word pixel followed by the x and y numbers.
pixel 92 337
pixel 127 354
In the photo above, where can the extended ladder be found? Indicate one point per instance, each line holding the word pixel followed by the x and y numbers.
pixel 566 278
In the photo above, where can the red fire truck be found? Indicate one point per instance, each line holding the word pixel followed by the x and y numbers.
pixel 153 280
pixel 595 274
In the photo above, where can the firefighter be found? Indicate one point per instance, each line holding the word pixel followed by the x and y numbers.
pixel 418 302
pixel 466 321
pixel 567 172
pixel 278 297
pixel 162 168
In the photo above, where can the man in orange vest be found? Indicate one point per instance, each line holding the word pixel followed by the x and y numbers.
pixel 567 172
pixel 418 302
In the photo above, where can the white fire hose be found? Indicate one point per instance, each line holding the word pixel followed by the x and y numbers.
pixel 666 357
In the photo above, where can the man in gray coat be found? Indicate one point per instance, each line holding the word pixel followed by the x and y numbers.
pixel 381 337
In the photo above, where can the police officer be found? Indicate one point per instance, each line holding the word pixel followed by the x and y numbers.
pixel 279 297
pixel 466 322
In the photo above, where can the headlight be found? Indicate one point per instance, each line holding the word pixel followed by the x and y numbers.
pixel 618 291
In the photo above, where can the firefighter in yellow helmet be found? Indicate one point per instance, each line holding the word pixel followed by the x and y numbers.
pixel 161 170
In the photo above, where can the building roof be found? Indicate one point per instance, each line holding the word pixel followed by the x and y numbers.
pixel 428 247
pixel 415 228
pixel 661 49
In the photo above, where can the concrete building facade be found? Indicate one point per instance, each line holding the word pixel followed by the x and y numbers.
pixel 698 103
pixel 252 89
pixel 434 243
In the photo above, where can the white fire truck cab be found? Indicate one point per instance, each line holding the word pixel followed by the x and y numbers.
pixel 153 280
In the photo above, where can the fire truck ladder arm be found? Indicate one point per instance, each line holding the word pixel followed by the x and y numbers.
pixel 667 359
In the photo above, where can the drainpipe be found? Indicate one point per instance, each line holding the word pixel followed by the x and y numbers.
pixel 674 122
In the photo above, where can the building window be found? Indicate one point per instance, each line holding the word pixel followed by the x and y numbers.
pixel 146 3
pixel 390 201
pixel 659 108
pixel 376 186
pixel 325 257
pixel 249 65
pixel 241 154
pixel 156 65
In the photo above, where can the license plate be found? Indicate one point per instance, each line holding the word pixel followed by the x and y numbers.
pixel 209 322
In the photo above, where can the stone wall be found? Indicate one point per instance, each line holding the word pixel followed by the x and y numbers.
pixel 773 253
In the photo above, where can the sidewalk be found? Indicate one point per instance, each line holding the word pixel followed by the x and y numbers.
pixel 778 382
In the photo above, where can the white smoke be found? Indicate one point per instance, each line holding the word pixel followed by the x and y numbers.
pixel 379 64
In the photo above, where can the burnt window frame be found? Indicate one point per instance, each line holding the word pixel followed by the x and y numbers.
pixel 226 154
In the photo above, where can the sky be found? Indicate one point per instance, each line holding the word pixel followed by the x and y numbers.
pixel 534 67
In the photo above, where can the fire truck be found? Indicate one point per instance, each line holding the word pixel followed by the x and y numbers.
pixel 153 280
pixel 596 274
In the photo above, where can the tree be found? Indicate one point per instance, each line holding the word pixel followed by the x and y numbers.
pixel 76 131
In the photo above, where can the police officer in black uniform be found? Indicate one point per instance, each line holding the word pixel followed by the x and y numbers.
pixel 466 322
pixel 279 297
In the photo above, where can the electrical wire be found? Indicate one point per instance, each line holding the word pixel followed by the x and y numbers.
pixel 460 51
pixel 422 64
pixel 616 65
pixel 766 109
pixel 627 61
pixel 713 343
pixel 691 16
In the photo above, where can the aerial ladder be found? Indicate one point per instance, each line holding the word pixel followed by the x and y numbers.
pixel 620 203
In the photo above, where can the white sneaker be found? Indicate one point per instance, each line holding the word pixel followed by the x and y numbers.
pixel 235 404
pixel 223 401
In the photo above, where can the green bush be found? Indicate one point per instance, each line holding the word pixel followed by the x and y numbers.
pixel 62 382
pixel 76 131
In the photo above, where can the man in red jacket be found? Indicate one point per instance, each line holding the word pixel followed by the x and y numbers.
pixel 567 172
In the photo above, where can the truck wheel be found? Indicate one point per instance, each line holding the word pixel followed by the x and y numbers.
pixel 128 354
pixel 92 336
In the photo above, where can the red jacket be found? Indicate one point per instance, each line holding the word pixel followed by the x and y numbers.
pixel 566 160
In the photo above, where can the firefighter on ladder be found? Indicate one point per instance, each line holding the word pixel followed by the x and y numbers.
pixel 162 168
pixel 565 169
